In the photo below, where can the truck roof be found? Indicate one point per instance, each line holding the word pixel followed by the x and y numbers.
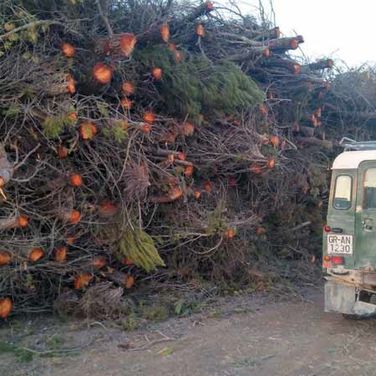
pixel 352 159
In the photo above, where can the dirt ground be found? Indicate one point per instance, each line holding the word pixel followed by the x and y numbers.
pixel 237 337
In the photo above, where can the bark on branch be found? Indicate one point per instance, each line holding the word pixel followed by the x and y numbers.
pixel 312 141
pixel 153 33
pixel 6 167
pixel 274 33
pixel 34 24
pixel 199 11
pixel 285 43
pixel 318 65
pixel 104 18
pixel 251 54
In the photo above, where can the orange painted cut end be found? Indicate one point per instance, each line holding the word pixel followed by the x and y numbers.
pixel 68 49
pixel 296 68
pixel 5 258
pixel 102 73
pixel 6 307
pixel 149 117
pixel 266 52
pixel 127 43
pixel 36 254
pixel 82 281
pixel 22 221
pixel 75 180
pixel 157 73
pixel 74 217
pixel 61 254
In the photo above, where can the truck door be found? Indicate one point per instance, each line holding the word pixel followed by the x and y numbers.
pixel 338 240
pixel 365 222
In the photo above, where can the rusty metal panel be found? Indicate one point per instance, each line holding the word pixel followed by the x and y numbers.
pixel 369 279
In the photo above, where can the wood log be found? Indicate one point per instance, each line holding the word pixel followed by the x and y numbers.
pixel 199 11
pixel 275 62
pixel 313 141
pixel 306 82
pixel 251 54
pixel 291 43
pixel 241 40
pixel 153 35
pixel 273 33
pixel 318 65
pixel 112 45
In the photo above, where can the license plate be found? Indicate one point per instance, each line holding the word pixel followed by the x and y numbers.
pixel 340 244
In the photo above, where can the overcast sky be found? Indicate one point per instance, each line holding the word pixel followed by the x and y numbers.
pixel 341 29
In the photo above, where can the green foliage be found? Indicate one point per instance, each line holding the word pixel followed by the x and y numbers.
pixel 54 126
pixel 216 220
pixel 116 128
pixel 103 108
pixel 116 131
pixel 198 86
pixel 138 246
pixel 229 89
pixel 18 17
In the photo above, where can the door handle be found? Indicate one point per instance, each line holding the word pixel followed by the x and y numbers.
pixel 337 230
pixel 367 224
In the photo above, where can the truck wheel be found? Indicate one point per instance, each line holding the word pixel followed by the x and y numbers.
pixel 348 316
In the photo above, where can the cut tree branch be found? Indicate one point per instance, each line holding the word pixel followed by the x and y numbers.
pixel 105 19
pixel 33 24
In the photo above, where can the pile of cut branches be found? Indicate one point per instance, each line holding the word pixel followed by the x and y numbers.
pixel 142 134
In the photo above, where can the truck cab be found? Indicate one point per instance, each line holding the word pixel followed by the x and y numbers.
pixel 349 241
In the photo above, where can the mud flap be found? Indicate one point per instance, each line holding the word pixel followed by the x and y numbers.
pixel 339 297
pixel 345 299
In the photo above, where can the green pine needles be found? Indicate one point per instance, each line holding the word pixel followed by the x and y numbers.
pixel 196 85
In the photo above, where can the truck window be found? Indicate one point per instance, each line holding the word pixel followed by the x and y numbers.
pixel 369 187
pixel 342 194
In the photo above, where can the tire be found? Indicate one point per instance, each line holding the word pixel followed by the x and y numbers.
pixel 348 316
